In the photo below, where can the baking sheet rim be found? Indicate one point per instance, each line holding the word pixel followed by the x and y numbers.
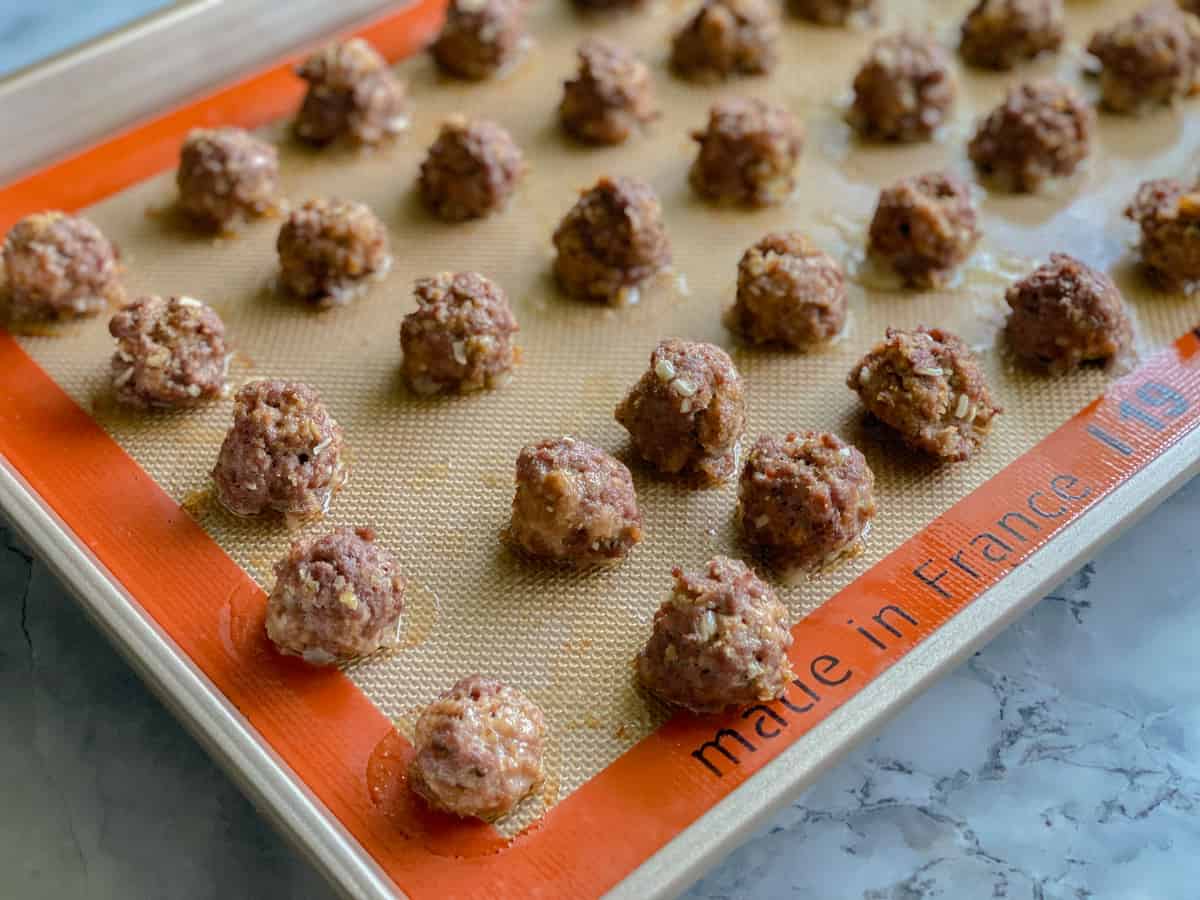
pixel 190 696
pixel 252 765
pixel 728 823
pixel 284 798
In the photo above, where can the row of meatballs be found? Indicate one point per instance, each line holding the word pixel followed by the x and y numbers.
pixel 903 92
pixel 461 337
pixel 904 87
pixel 613 239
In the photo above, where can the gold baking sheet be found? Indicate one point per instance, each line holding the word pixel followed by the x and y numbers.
pixel 434 476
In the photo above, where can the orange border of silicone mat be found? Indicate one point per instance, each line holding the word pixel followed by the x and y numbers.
pixel 328 732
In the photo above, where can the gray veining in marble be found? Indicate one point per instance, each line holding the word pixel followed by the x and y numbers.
pixel 1063 761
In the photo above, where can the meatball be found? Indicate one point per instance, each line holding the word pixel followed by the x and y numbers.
pixel 610 98
pixel 227 175
pixel 478 749
pixel 724 38
pixel 612 240
pixel 805 501
pixel 480 37
pixel 999 34
pixel 574 504
pixel 330 249
pixel 924 227
pixel 834 12
pixel 283 453
pixel 1168 214
pixel 928 387
pixel 719 640
pixel 59 266
pixel 351 93
pixel 336 598
pixel 687 413
pixel 1040 130
pixel 747 153
pixel 169 352
pixel 460 338
pixel 1065 313
pixel 903 91
pixel 471 170
pixel 789 292
pixel 1148 59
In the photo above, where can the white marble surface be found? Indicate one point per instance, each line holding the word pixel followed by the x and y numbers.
pixel 1063 761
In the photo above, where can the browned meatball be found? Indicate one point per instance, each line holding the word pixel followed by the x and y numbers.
pixel 336 598
pixel 720 640
pixel 610 98
pixel 283 453
pixel 834 12
pixel 687 413
pixel 789 292
pixel 748 153
pixel 460 338
pixel 1168 214
pixel 805 501
pixel 611 241
pixel 724 38
pixel 352 94
pixel 903 91
pixel 924 227
pixel 1065 313
pixel 1041 129
pixel 330 249
pixel 478 749
pixel 574 504
pixel 1148 59
pixel 999 34
pixel 927 386
pixel 59 266
pixel 227 175
pixel 480 37
pixel 470 170
pixel 169 352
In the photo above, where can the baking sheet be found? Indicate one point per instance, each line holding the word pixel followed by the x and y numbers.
pixel 434 476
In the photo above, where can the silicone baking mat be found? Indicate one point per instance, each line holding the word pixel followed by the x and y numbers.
pixel 434 476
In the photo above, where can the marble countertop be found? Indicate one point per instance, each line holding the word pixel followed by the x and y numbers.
pixel 1062 761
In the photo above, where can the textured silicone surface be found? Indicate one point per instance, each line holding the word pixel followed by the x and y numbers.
pixel 434 476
